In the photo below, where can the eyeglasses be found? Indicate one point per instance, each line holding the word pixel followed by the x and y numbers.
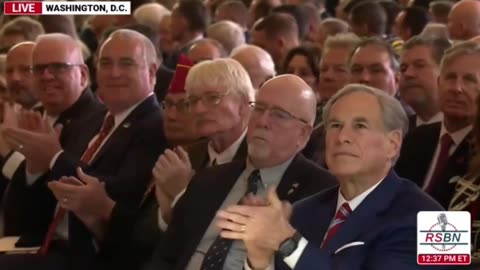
pixel 55 68
pixel 210 99
pixel 278 115
pixel 180 106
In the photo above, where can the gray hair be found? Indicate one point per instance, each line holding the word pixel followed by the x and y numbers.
pixel 438 46
pixel 382 44
pixel 150 14
pixel 65 40
pixel 466 48
pixel 212 42
pixel 149 49
pixel 228 33
pixel 341 41
pixel 224 73
pixel 394 116
pixel 435 30
pixel 335 26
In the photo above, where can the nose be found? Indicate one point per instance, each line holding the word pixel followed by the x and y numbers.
pixel 456 86
pixel 364 77
pixel 328 74
pixel 344 135
pixel 198 107
pixel 16 76
pixel 46 74
pixel 409 73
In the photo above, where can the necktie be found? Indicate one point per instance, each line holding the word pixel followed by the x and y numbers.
pixel 218 251
pixel 342 214
pixel 107 126
pixel 446 143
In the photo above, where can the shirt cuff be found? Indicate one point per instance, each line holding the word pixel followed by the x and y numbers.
pixel 292 260
pixel 161 222
pixel 54 159
pixel 246 266
pixel 12 164
pixel 177 198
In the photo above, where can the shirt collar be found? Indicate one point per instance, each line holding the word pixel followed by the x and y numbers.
pixel 355 202
pixel 121 116
pixel 457 136
pixel 272 175
pixel 435 119
pixel 229 153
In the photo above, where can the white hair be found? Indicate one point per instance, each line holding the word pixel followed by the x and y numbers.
pixel 228 33
pixel 255 60
pixel 221 73
pixel 150 51
pixel 151 14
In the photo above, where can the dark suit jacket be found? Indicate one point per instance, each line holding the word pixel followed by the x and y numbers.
pixel 386 221
pixel 20 205
pixel 133 234
pixel 195 210
pixel 416 156
pixel 124 163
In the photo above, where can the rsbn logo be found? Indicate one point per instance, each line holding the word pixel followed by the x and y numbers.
pixel 443 238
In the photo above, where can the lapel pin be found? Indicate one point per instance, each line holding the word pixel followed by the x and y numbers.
pixel 293 188
pixel 126 125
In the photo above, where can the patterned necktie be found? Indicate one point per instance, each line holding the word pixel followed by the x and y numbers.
pixel 446 143
pixel 218 251
pixel 107 126
pixel 342 214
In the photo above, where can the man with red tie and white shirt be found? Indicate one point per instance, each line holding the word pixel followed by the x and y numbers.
pixel 367 222
pixel 119 156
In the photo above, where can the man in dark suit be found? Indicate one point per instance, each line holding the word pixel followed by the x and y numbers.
pixel 367 222
pixel 433 154
pixel 120 156
pixel 218 95
pixel 69 106
pixel 280 125
pixel 419 69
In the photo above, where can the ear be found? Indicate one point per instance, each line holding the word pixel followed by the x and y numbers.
pixel 84 76
pixel 281 43
pixel 394 143
pixel 152 72
pixel 305 133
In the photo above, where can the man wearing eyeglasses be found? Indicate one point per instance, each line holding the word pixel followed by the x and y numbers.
pixel 118 159
pixel 66 101
pixel 279 127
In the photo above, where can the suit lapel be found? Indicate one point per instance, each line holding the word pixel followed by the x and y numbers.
pixel 291 180
pixel 365 214
pixel 127 127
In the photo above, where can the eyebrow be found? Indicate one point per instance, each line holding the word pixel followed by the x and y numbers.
pixel 355 119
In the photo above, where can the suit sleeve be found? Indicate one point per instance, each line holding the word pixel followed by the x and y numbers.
pixel 131 175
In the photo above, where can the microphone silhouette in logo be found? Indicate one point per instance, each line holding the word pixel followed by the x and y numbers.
pixel 442 221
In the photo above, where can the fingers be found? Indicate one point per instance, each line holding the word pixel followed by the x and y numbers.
pixel 87 179
pixel 232 235
pixel 224 224
pixel 183 155
pixel 252 200
pixel 72 181
pixel 243 210
pixel 272 197
pixel 232 217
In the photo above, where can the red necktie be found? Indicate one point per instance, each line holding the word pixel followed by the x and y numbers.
pixel 446 143
pixel 107 126
pixel 342 214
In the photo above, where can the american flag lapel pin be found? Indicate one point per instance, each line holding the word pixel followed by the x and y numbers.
pixel 126 125
pixel 293 188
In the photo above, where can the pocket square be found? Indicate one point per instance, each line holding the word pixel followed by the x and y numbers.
pixel 352 244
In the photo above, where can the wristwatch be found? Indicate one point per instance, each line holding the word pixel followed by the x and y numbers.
pixel 288 246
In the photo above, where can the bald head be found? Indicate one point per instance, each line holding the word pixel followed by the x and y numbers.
pixel 258 63
pixel 18 77
pixel 464 20
pixel 281 121
pixel 294 94
pixel 127 35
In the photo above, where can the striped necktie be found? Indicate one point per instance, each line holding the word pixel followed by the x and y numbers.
pixel 342 214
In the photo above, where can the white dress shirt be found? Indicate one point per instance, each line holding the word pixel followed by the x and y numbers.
pixel 292 260
pixel 457 138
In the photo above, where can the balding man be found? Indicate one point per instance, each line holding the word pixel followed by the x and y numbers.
pixel 277 34
pixel 206 49
pixel 18 76
pixel 330 27
pixel 257 62
pixel 464 20
pixel 60 80
pixel 120 154
pixel 343 227
pixel 228 33
pixel 280 124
